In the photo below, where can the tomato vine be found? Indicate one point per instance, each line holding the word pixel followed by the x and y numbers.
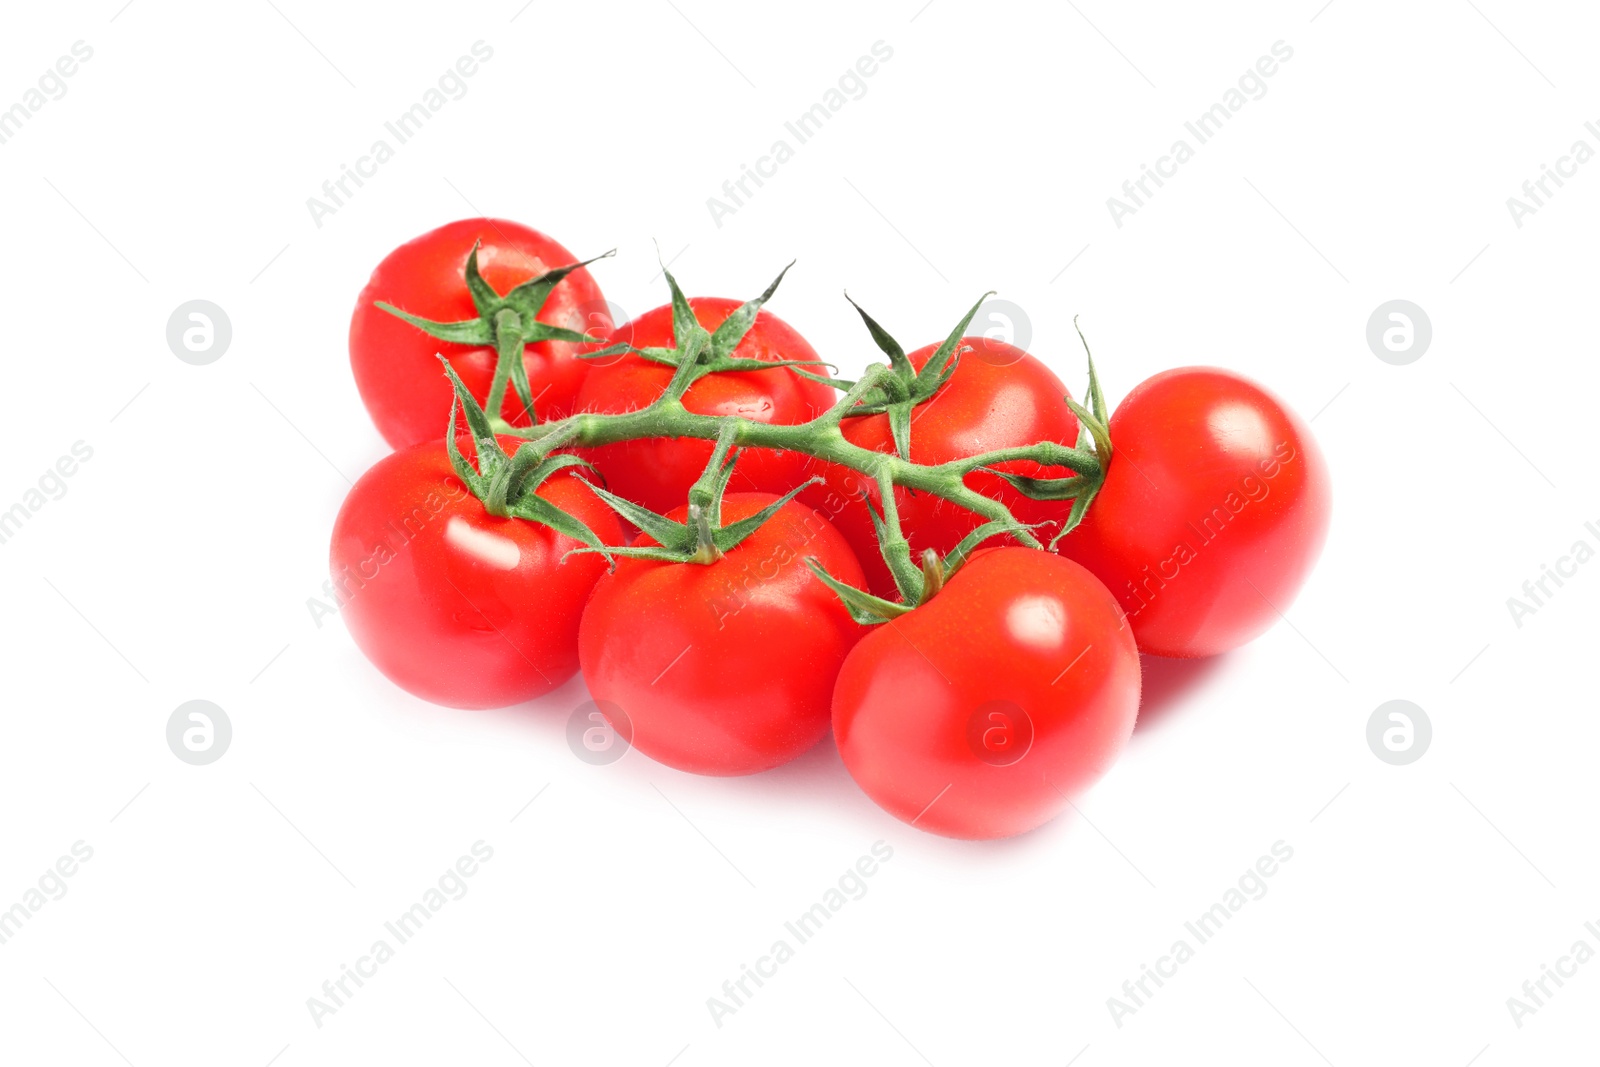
pixel 506 483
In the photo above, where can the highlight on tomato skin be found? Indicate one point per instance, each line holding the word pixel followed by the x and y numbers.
pixel 725 668
pixel 1215 508
pixel 983 712
pixel 394 362
pixel 452 604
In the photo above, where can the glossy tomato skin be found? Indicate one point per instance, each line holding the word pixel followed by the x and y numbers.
pixel 1214 510
pixel 982 712
pixel 999 397
pixel 657 472
pixel 725 668
pixel 402 384
pixel 452 604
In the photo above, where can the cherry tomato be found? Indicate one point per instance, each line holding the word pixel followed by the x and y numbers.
pixel 982 712
pixel 454 605
pixel 998 397
pixel 1215 507
pixel 657 471
pixel 724 668
pixel 394 362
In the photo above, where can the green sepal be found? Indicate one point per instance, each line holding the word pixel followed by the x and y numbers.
pixel 673 536
pixel 484 298
pixel 610 350
pixel 664 555
pixel 684 324
pixel 958 556
pixel 535 508
pixel 732 364
pixel 864 608
pixel 528 299
pixel 458 462
pixel 668 356
pixel 891 348
pixel 1093 426
pixel 1080 506
pixel 728 537
pixel 1097 399
pixel 530 468
pixel 1096 427
pixel 466 332
pixel 490 455
pixel 537 331
pixel 1042 488
pixel 738 323
pixel 942 363
pixel 837 383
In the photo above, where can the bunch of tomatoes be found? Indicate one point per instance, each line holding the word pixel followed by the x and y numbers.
pixel 950 562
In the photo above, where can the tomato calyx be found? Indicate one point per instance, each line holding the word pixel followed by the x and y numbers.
pixel 507 484
pixel 899 391
pixel 1094 439
pixel 509 323
pixel 696 351
pixel 703 539
pixel 917 585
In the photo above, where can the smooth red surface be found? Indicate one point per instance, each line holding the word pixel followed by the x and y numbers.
pixel 999 397
pixel 396 371
pixel 657 471
pixel 452 604
pixel 1018 632
pixel 1213 512
pixel 725 668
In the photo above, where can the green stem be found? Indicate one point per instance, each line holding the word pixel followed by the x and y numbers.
pixel 892 539
pixel 508 346
pixel 821 438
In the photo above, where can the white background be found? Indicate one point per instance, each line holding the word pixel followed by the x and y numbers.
pixel 179 563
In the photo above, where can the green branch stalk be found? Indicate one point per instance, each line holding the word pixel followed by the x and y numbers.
pixel 821 438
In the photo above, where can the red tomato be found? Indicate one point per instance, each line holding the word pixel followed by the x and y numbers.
pixel 1214 509
pixel 394 362
pixel 980 713
pixel 657 471
pixel 455 605
pixel 724 668
pixel 999 397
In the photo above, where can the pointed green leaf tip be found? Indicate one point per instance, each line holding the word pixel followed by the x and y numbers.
pixel 905 386
pixel 703 539
pixel 484 298
pixel 738 323
pixel 864 608
pixel 890 347
pixel 942 363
